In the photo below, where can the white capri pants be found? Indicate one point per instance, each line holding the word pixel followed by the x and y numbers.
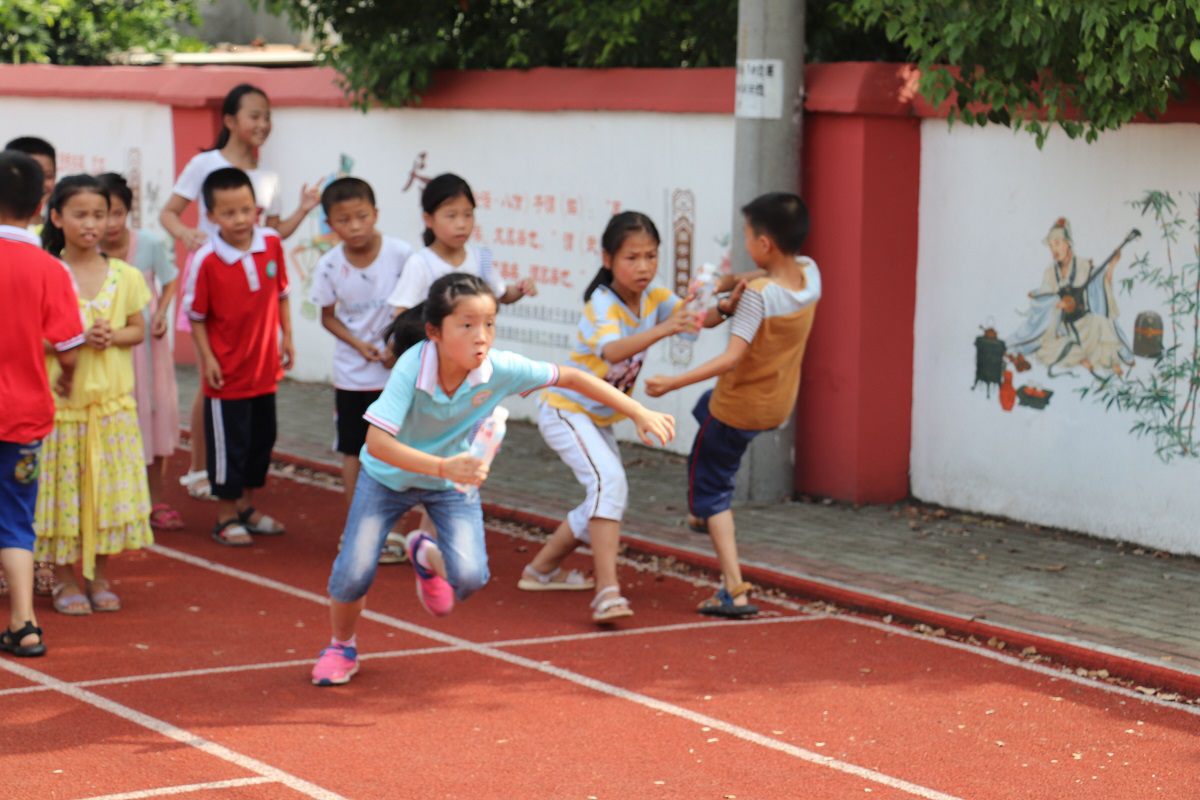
pixel 590 450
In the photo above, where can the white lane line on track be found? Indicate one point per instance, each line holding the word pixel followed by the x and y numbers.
pixel 423 651
pixel 1060 673
pixel 172 732
pixel 636 698
pixel 191 787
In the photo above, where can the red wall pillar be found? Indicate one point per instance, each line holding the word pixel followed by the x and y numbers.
pixel 861 178
pixel 193 130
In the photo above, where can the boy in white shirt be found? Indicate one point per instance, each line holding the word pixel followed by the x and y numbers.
pixel 351 285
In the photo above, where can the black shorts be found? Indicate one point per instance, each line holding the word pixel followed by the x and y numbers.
pixel 241 434
pixel 351 427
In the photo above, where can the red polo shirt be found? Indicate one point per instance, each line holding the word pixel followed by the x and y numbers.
pixel 37 302
pixel 237 298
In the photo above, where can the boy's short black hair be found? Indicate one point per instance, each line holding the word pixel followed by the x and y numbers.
pixel 344 189
pixel 222 179
pixel 782 216
pixel 32 146
pixel 20 184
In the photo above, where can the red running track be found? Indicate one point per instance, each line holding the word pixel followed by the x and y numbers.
pixel 199 689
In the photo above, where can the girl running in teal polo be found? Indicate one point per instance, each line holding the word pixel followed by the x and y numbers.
pixel 416 450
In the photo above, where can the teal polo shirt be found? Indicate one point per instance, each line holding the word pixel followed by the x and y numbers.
pixel 416 411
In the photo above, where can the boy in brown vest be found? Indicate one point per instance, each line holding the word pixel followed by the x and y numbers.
pixel 759 377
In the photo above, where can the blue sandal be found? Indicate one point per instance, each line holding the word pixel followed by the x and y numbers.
pixel 721 604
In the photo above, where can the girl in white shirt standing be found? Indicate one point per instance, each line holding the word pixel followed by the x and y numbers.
pixel 449 213
pixel 245 126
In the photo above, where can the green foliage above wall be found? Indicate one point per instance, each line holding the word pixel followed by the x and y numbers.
pixel 1083 65
pixel 90 31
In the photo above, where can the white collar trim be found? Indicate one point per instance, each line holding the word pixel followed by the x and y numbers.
pixel 427 375
pixel 231 255
pixel 19 235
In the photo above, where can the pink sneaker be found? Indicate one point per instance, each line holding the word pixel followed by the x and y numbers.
pixel 432 589
pixel 335 666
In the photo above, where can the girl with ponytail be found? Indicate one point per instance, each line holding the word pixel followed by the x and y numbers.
pixel 448 208
pixel 245 126
pixel 626 310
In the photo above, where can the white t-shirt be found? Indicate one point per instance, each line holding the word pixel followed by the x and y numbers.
pixel 360 296
pixel 191 182
pixel 427 266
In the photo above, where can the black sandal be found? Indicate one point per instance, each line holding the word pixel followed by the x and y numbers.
pixel 10 641
pixel 223 529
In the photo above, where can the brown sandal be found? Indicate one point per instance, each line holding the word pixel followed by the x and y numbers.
pixel 721 604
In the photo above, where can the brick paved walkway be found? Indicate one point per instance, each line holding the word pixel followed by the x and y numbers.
pixel 1103 596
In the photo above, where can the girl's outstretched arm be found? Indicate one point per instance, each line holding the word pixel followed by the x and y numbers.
pixel 648 422
pixel 681 320
pixel 461 468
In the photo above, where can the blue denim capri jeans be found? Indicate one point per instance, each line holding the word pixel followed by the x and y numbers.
pixel 375 511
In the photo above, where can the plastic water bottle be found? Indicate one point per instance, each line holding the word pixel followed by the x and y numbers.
pixel 704 290
pixel 485 445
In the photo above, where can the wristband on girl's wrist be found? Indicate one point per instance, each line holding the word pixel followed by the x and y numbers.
pixel 440 462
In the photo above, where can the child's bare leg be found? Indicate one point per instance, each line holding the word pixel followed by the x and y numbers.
pixel 244 502
pixel 156 474
pixel 100 570
pixel 560 545
pixel 350 467
pixel 228 509
pixel 197 431
pixel 343 618
pixel 99 588
pixel 606 538
pixel 18 569
pixel 721 529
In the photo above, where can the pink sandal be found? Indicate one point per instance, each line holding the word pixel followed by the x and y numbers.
pixel 165 518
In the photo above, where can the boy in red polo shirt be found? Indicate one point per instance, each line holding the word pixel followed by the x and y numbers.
pixel 237 301
pixel 37 304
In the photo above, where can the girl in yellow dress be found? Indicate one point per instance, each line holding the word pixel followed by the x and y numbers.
pixel 92 497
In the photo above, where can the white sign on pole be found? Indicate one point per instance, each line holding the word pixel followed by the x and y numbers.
pixel 759 93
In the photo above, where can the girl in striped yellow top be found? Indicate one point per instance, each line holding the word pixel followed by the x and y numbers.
pixel 627 310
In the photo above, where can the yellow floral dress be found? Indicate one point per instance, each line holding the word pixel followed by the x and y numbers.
pixel 92 495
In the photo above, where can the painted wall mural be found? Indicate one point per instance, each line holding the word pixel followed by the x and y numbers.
pixel 1162 398
pixel 1073 328
pixel 1056 370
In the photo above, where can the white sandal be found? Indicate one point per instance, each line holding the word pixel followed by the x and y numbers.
pixel 266 525
pixel 534 581
pixel 197 485
pixel 393 549
pixel 612 608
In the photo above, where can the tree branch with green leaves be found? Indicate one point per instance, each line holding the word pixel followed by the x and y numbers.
pixel 1084 66
pixel 386 53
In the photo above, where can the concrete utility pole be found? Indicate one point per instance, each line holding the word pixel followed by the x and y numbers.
pixel 769 111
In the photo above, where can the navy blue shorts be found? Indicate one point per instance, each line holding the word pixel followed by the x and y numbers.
pixel 714 461
pixel 20 465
